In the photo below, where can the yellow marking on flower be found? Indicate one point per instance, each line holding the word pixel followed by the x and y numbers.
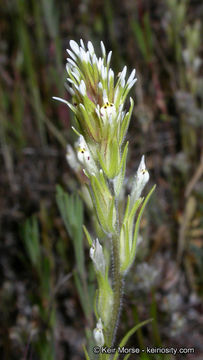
pixel 107 105
pixel 107 110
pixel 84 152
pixel 81 150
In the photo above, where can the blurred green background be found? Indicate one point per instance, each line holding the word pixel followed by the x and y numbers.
pixel 45 291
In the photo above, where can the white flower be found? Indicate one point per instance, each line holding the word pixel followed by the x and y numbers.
pixel 97 256
pixel 109 58
pixel 84 155
pixel 74 46
pixel 131 77
pixel 108 112
pixel 82 88
pixel 90 48
pixel 141 179
pixel 98 333
pixel 122 76
pixel 72 159
pixel 103 49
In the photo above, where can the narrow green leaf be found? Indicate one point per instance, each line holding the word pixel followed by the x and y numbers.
pixel 87 234
pixel 129 334
pixel 80 290
pixel 71 210
pixel 148 32
pixel 124 156
pixel 86 353
pixel 87 122
pixel 138 32
pixel 137 225
pixel 95 303
pixel 126 121
pixel 127 357
pixel 127 209
pixel 103 165
pixel 134 209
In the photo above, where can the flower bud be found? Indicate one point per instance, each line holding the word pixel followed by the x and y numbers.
pixel 98 333
pixel 108 112
pixel 72 159
pixel 141 179
pixel 97 256
pixel 84 155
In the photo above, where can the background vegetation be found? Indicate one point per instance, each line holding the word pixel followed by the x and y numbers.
pixel 45 298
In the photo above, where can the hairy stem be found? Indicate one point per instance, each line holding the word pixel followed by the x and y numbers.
pixel 118 285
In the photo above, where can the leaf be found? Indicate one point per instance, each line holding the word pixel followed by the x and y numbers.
pixel 31 240
pixel 125 123
pixel 118 180
pixel 87 234
pixel 126 357
pixel 71 210
pixel 80 290
pixel 129 334
pixel 138 32
pixel 86 353
pixel 123 159
pixel 137 225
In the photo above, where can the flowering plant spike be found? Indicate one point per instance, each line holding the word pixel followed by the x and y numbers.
pixel 101 123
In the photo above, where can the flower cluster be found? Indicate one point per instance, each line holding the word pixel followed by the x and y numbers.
pixel 98 107
pixel 101 120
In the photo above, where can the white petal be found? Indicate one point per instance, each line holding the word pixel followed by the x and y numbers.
pixel 94 59
pixel 70 81
pixel 71 54
pixel 71 158
pixel 90 47
pixel 122 83
pixel 104 72
pixel 82 88
pixel 70 61
pixel 103 49
pixel 100 86
pixel 99 324
pixel 131 77
pixel 105 98
pixel 99 64
pixel 74 46
pixel 61 100
pixel 109 58
pixel 116 94
pixel 123 73
pixel 70 90
pixel 141 179
pixel 111 74
pixel 97 256
pixel 85 56
pixel 98 335
pixel 130 85
pixel 82 44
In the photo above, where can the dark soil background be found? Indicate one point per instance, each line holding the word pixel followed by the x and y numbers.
pixel 41 316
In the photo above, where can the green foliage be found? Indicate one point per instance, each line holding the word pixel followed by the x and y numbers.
pixel 32 243
pixel 71 210
pixel 44 298
pixel 129 334
pixel 143 35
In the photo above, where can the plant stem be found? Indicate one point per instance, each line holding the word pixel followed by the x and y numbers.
pixel 118 290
